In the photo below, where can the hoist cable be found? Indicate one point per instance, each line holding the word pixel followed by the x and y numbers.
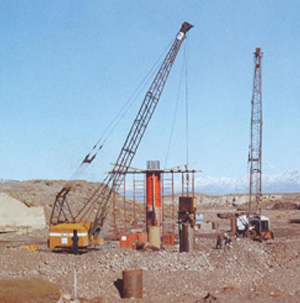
pixel 186 103
pixel 174 116
pixel 139 89
pixel 182 75
pixel 118 118
pixel 90 204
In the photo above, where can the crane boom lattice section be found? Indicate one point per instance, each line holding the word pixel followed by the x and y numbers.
pixel 140 124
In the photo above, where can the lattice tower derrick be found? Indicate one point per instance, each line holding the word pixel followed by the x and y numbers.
pixel 255 154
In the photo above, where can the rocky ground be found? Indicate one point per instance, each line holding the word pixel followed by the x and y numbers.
pixel 247 272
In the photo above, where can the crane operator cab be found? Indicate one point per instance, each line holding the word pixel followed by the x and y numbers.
pixel 259 228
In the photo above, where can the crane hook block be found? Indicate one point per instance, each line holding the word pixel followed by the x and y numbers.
pixel 89 160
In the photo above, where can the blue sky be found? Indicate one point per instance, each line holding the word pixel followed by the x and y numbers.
pixel 67 67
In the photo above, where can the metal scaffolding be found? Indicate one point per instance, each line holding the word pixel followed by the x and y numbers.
pixel 169 213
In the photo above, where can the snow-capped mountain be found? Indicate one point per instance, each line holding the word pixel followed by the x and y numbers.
pixel 285 182
pixel 279 183
pixel 222 185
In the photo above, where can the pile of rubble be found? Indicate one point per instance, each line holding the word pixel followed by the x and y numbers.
pixel 285 206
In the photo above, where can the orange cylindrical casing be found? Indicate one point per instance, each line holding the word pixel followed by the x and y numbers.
pixel 153 188
pixel 153 195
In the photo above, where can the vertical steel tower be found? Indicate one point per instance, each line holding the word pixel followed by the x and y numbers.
pixel 256 140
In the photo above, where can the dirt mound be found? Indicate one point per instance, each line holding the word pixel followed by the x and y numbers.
pixel 29 291
pixel 15 215
pixel 285 206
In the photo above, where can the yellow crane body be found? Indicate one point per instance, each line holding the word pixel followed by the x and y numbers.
pixel 60 235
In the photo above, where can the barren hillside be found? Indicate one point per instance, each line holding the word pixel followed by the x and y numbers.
pixel 43 192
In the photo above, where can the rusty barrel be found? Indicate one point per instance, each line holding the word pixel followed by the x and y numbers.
pixel 215 225
pixel 233 225
pixel 132 283
pixel 186 235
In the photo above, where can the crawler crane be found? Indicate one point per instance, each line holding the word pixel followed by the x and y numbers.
pixel 63 221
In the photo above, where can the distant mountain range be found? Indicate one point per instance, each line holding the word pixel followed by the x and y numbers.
pixel 279 183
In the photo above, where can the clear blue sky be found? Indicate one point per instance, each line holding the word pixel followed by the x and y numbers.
pixel 67 67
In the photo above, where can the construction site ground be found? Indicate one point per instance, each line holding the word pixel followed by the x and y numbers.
pixel 249 271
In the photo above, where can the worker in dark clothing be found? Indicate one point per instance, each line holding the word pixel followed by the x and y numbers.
pixel 75 242
pixel 219 242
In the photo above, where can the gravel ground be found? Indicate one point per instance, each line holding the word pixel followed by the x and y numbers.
pixel 248 272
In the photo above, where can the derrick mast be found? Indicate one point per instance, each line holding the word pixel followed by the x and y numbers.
pixel 256 140
pixel 258 226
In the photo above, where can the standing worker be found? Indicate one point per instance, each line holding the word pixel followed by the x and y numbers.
pixel 227 240
pixel 219 243
pixel 75 242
